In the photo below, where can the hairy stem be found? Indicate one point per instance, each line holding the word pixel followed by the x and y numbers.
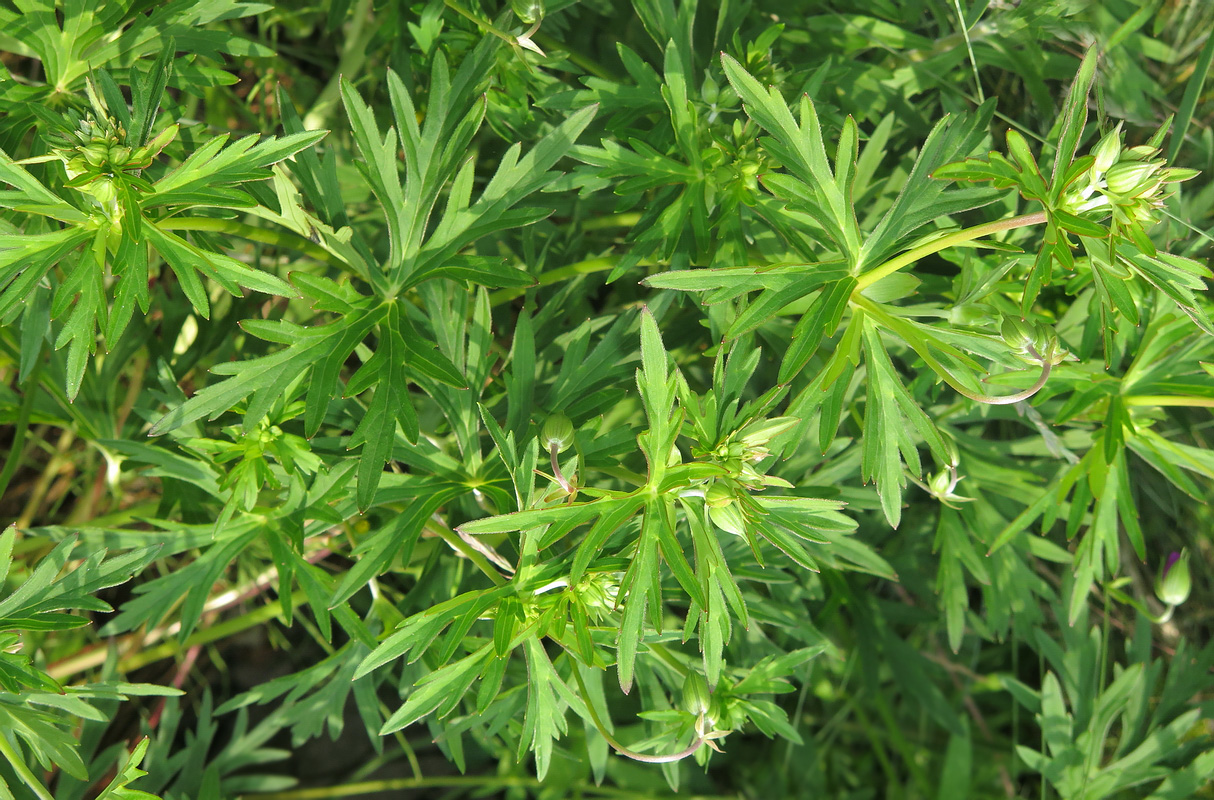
pixel 353 55
pixel 621 749
pixel 1007 400
pixel 23 772
pixel 943 243
pixel 989 399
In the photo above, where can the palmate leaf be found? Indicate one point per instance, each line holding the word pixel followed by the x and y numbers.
pixel 1076 715
pixel 801 149
pixel 922 199
pixel 435 157
pixel 325 347
pixel 35 711
pixel 210 174
pixel 400 350
pixel 544 719
pixel 74 41
pixel 673 161
pixel 887 437
pixel 321 351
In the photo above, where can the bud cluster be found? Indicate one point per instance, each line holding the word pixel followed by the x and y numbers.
pixel 598 591
pixel 744 449
pixel 1127 182
pixel 95 157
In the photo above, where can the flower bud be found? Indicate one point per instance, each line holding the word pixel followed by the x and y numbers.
pixel 528 11
pixel 728 518
pixel 95 154
pixel 557 432
pixel 763 431
pixel 1108 150
pixel 1017 333
pixel 718 496
pixel 118 154
pixel 696 698
pixel 1124 177
pixel 1174 582
pixel 940 483
pixel 103 189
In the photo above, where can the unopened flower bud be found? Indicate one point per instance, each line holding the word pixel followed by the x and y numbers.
pixel 728 518
pixel 95 153
pixel 1108 150
pixel 940 483
pixel 1174 582
pixel 557 432
pixel 718 496
pixel 1017 333
pixel 1125 176
pixel 103 189
pixel 696 698
pixel 118 154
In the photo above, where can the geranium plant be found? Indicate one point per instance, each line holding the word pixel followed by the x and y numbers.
pixel 584 399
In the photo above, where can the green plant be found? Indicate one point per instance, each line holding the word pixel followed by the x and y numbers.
pixel 659 404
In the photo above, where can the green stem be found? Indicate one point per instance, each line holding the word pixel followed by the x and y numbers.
pixel 621 749
pixel 663 654
pixel 1167 400
pixel 482 563
pixel 23 772
pixel 554 451
pixel 989 399
pixel 270 236
pixel 559 274
pixel 353 56
pixel 554 46
pixel 943 243
pixel 1007 400
pixel 487 27
pixel 1156 619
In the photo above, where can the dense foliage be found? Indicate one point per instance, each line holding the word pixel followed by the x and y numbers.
pixel 764 399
